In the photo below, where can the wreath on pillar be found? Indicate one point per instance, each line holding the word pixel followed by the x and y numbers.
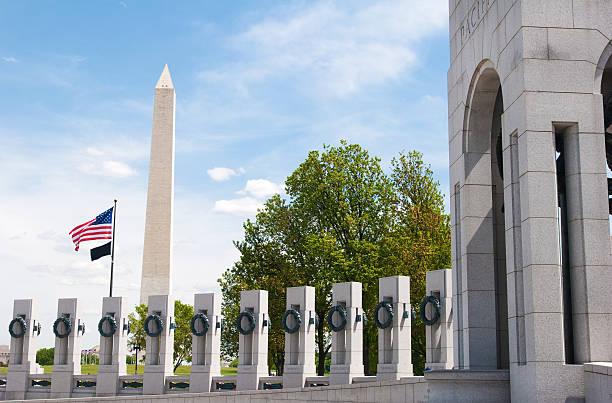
pixel 67 325
pixel 330 316
pixel 298 321
pixel 112 322
pixel 22 325
pixel 158 321
pixel 251 318
pixel 435 302
pixel 387 307
pixel 205 324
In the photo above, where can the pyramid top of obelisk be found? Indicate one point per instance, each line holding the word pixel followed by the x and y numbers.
pixel 165 81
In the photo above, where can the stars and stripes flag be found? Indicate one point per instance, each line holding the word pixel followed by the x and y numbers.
pixel 100 227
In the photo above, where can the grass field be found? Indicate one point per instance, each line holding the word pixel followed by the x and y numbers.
pixel 93 369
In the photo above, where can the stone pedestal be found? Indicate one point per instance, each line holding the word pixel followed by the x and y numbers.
pixel 205 362
pixel 394 341
pixel 300 346
pixel 439 336
pixel 347 344
pixel 22 361
pixel 462 386
pixel 112 349
pixel 159 360
pixel 253 350
pixel 67 358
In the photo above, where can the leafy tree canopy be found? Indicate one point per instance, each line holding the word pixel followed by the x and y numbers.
pixel 344 219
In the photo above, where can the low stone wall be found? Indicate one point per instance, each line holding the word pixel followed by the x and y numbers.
pixel 598 382
pixel 406 390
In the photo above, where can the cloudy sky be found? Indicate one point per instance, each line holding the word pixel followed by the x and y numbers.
pixel 258 85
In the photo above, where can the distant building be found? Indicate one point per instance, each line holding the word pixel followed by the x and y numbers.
pixel 4 355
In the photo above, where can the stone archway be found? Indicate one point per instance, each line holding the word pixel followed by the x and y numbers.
pixel 482 317
pixel 604 84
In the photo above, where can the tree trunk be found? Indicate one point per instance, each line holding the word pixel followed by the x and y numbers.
pixel 279 362
pixel 321 347
pixel 366 353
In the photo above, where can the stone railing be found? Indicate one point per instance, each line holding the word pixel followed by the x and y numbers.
pixel 346 318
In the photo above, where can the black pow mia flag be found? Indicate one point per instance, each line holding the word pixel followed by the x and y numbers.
pixel 97 253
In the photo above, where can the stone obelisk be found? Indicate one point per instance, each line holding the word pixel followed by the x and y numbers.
pixel 157 252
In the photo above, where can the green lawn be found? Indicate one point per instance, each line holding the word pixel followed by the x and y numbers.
pixel 93 369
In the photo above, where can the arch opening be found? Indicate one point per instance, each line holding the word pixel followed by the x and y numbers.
pixel 483 339
pixel 606 92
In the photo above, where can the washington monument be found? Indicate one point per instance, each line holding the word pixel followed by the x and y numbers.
pixel 157 252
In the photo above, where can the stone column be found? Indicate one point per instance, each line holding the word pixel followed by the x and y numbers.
pixel 394 341
pixel 22 361
pixel 67 358
pixel 205 362
pixel 589 253
pixel 157 250
pixel 439 336
pixel 347 344
pixel 253 350
pixel 112 349
pixel 159 360
pixel 300 346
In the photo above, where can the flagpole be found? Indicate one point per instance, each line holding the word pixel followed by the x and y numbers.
pixel 113 249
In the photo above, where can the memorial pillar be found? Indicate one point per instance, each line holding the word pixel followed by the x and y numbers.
pixel 299 323
pixel 160 344
pixel 113 329
pixel 206 342
pixel 346 320
pixel 24 329
pixel 253 324
pixel 68 329
pixel 394 321
pixel 439 335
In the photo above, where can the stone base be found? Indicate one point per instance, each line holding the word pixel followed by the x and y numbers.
pixel 154 379
pixel 62 382
pixel 393 372
pixel 247 377
pixel 468 386
pixel 16 385
pixel 107 381
pixel 344 374
pixel 201 376
pixel 18 378
pixel 294 376
pixel 545 382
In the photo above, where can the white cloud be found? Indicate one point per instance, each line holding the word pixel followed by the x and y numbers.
pixel 10 59
pixel 94 151
pixel 261 188
pixel 123 4
pixel 220 174
pixel 241 207
pixel 335 50
pixel 117 169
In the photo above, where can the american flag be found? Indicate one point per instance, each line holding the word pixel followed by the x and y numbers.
pixel 100 227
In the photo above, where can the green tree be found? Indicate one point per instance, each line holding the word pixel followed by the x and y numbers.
pixel 44 356
pixel 138 336
pixel 182 333
pixel 344 220
pixel 420 239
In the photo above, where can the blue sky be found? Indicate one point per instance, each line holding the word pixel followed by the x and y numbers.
pixel 258 85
